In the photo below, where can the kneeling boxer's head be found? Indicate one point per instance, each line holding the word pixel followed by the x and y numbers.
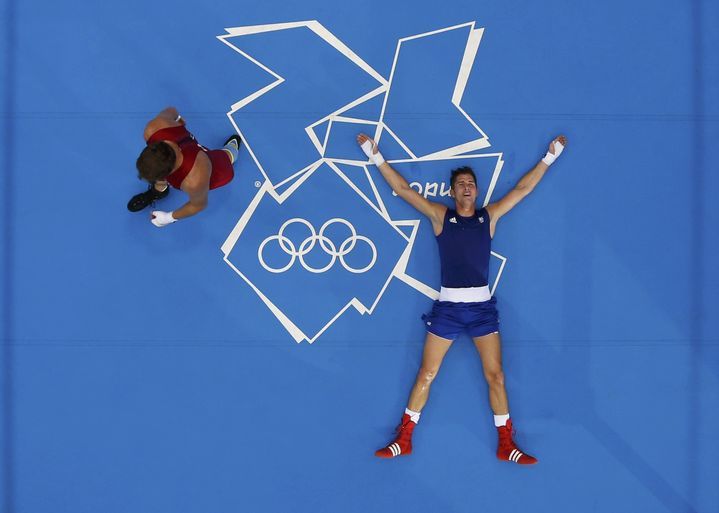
pixel 156 162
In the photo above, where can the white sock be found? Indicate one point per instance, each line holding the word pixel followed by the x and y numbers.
pixel 413 415
pixel 501 420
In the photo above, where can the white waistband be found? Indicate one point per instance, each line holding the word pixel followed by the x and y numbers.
pixel 465 294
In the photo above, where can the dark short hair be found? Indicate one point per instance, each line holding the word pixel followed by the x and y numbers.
pixel 156 162
pixel 464 170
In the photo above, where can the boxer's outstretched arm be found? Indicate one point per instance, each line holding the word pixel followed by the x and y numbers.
pixel 433 211
pixel 528 182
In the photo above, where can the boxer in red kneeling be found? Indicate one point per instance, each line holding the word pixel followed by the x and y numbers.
pixel 174 157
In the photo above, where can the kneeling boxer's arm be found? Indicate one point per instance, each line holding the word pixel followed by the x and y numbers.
pixel 165 119
pixel 197 203
pixel 160 218
pixel 171 114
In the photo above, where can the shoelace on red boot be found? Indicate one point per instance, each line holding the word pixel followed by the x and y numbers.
pixel 402 444
pixel 507 450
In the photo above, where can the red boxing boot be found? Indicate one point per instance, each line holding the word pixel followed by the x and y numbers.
pixel 507 450
pixel 402 445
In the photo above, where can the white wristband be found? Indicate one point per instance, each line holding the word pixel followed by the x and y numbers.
pixel 549 158
pixel 160 218
pixel 376 158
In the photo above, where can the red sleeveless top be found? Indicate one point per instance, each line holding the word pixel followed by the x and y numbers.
pixel 222 172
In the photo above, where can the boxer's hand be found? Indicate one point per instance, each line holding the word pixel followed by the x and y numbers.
pixel 160 218
pixel 369 147
pixel 556 147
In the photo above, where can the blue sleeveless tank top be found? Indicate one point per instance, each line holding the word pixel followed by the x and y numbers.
pixel 464 247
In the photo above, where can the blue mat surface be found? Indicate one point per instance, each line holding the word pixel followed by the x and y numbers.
pixel 253 357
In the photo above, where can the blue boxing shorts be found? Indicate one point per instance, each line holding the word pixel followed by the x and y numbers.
pixel 448 320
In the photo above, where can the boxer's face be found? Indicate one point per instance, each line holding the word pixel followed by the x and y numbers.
pixel 464 188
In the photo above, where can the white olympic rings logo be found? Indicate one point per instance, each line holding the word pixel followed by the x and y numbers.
pixel 309 243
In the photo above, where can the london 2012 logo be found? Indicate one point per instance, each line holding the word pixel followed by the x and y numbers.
pixel 324 232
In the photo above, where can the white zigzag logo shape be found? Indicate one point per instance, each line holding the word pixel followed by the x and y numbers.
pixel 299 176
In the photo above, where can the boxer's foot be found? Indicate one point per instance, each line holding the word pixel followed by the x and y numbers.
pixel 232 147
pixel 402 445
pixel 147 198
pixel 507 450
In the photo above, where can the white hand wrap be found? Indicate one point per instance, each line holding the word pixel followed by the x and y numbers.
pixel 160 218
pixel 549 158
pixel 376 158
